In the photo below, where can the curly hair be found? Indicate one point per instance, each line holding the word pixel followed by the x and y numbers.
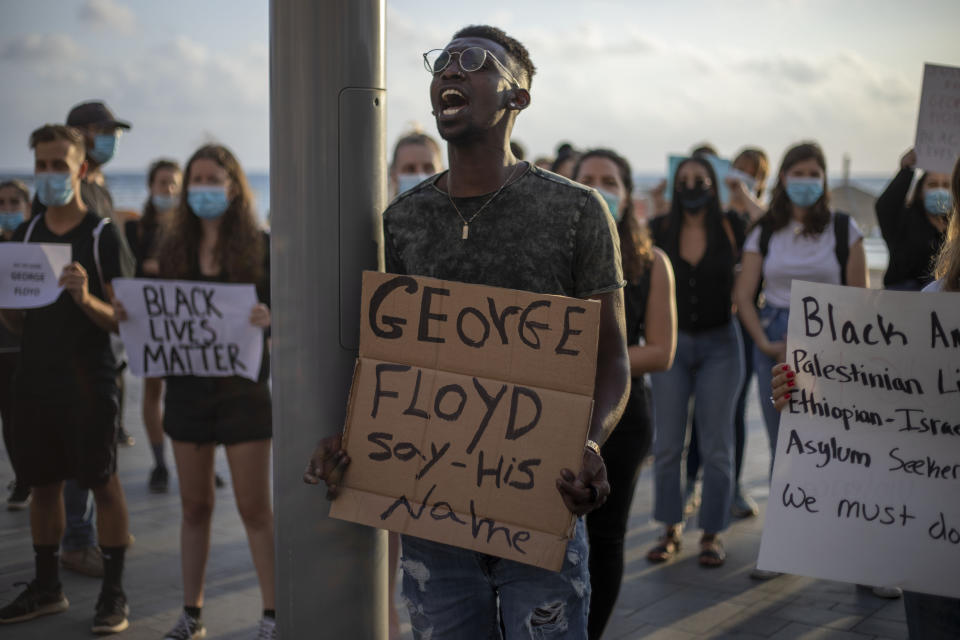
pixel 513 47
pixel 240 244
pixel 948 261
pixel 636 246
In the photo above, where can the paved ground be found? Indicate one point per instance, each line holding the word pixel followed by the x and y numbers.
pixel 677 601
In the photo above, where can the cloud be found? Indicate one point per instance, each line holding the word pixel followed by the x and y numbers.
pixel 37 47
pixel 108 15
pixel 792 70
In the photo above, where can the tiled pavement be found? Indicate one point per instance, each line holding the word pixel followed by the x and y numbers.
pixel 677 601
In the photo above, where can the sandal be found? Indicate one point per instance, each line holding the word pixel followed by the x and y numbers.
pixel 667 547
pixel 712 554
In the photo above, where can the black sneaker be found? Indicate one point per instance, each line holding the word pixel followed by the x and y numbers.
pixel 19 497
pixel 159 479
pixel 34 602
pixel 124 439
pixel 112 612
pixel 218 481
pixel 187 628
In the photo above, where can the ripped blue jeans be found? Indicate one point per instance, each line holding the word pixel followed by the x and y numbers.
pixel 457 593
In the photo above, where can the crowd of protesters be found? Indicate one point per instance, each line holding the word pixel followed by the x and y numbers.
pixel 694 302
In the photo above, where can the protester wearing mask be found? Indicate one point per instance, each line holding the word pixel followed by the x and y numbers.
pixel 703 245
pixel 651 314
pixel 164 181
pixel 14 211
pixel 913 231
pixel 65 416
pixel 416 157
pixel 214 237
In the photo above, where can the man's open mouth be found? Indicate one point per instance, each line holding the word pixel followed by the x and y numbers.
pixel 451 102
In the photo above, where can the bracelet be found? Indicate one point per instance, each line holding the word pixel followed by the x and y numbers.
pixel 593 446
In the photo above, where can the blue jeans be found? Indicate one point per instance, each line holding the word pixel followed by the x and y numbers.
pixel 78 503
pixel 709 366
pixel 774 323
pixel 462 594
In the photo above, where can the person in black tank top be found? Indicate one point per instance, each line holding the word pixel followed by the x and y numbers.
pixel 651 316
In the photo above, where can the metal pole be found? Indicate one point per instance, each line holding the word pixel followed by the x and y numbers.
pixel 327 190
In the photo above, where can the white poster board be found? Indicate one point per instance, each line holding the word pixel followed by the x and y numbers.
pixel 867 475
pixel 189 328
pixel 29 273
pixel 938 122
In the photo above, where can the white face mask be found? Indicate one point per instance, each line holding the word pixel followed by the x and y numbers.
pixel 407 181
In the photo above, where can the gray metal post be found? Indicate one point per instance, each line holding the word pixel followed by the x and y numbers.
pixel 327 190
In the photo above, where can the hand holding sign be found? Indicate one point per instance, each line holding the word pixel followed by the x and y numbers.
pixel 74 281
pixel 328 463
pixel 589 489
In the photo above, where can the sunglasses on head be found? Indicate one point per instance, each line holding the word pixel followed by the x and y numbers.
pixel 471 59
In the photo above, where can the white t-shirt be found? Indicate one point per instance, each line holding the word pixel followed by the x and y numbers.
pixel 934 287
pixel 791 255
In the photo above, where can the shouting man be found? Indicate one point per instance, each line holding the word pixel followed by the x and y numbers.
pixel 493 220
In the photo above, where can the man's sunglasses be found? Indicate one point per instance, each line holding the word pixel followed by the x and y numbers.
pixel 471 59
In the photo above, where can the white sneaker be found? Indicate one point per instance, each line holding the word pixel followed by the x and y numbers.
pixel 267 630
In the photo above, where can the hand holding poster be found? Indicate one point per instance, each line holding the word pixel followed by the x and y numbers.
pixel 938 122
pixel 867 468
pixel 30 273
pixel 187 328
pixel 467 401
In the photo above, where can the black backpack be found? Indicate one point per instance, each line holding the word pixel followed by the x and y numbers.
pixel 841 231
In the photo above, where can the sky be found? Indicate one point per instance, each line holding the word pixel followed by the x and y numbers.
pixel 644 78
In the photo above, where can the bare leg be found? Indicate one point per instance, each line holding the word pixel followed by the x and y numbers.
pixel 112 523
pixel 47 516
pixel 153 409
pixel 250 470
pixel 195 471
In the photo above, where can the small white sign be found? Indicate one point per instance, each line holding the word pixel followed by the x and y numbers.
pixel 189 328
pixel 867 468
pixel 29 273
pixel 938 122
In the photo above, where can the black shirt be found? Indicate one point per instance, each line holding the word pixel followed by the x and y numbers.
pixel 9 343
pixel 635 296
pixel 61 348
pixel 144 240
pixel 542 233
pixel 912 241
pixel 704 290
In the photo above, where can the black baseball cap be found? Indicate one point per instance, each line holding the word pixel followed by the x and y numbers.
pixel 94 112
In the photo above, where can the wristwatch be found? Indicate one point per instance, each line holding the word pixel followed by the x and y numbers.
pixel 593 446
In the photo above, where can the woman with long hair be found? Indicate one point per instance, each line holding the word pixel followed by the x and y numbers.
pixel 651 316
pixel 703 244
pixel 164 180
pixel 215 237
pixel 913 230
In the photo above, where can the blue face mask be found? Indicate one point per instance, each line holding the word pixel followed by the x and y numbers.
pixel 937 202
pixel 53 189
pixel 804 192
pixel 613 203
pixel 10 220
pixel 407 181
pixel 105 146
pixel 208 202
pixel 163 202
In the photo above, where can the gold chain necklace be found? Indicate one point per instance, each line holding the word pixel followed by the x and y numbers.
pixel 466 223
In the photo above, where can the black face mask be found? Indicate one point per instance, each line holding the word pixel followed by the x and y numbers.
pixel 693 198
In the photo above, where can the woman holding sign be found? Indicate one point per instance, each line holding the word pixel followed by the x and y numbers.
pixel 214 237
pixel 163 179
pixel 913 231
pixel 703 244
pixel 651 316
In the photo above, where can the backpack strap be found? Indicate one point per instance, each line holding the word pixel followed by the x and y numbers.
pixel 97 231
pixel 841 233
pixel 33 223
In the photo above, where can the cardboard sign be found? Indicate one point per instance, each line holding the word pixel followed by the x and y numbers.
pixel 467 401
pixel 867 469
pixel 188 328
pixel 29 273
pixel 938 122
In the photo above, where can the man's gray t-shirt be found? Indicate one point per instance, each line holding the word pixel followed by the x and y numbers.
pixel 542 233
